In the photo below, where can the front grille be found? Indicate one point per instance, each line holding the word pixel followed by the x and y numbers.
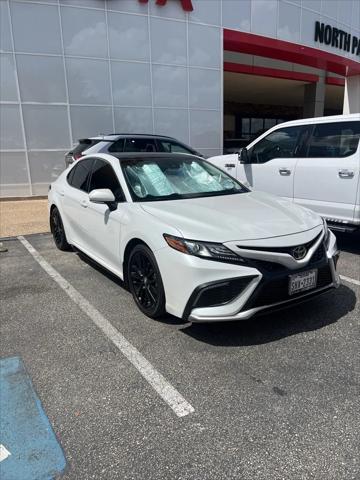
pixel 318 254
pixel 221 293
pixel 277 290
pixel 264 265
pixel 287 250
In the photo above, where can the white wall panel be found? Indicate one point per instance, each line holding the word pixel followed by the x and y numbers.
pixel 168 41
pixel 134 120
pixel 84 32
pixel 8 91
pixel 10 127
pixel 90 121
pixel 46 126
pixel 14 179
pixel 41 78
pixel 128 37
pixel 88 81
pixel 26 20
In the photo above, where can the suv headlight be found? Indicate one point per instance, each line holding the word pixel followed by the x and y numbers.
pixel 208 250
pixel 326 233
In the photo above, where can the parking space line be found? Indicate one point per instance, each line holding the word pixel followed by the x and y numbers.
pixel 166 391
pixel 350 280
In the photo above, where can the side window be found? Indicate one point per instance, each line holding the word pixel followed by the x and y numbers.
pixel 117 146
pixel 169 146
pixel 103 176
pixel 334 139
pixel 80 174
pixel 140 145
pixel 278 144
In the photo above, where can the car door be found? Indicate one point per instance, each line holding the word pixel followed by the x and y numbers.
pixel 272 161
pixel 75 196
pixel 327 177
pixel 103 221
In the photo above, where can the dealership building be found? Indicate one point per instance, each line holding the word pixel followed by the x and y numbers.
pixel 207 72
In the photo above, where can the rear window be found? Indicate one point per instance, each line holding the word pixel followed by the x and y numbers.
pixel 334 139
pixel 83 144
pixel 117 146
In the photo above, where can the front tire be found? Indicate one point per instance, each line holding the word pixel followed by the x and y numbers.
pixel 58 231
pixel 145 283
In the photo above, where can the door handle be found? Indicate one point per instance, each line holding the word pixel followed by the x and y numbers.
pixel 284 171
pixel 84 203
pixel 62 193
pixel 229 165
pixel 346 173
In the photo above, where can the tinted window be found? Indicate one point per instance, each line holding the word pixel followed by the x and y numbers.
pixel 169 146
pixel 80 175
pixel 103 176
pixel 140 145
pixel 117 146
pixel 278 144
pixel 334 139
pixel 83 144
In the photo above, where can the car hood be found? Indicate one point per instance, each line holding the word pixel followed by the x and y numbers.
pixel 246 216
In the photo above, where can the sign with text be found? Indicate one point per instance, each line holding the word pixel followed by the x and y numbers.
pixel 337 38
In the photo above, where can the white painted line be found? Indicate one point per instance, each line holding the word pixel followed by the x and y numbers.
pixel 166 391
pixel 4 453
pixel 350 280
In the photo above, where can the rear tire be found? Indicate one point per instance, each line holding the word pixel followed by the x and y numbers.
pixel 145 283
pixel 58 231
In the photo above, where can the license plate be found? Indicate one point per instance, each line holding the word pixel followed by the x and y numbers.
pixel 302 281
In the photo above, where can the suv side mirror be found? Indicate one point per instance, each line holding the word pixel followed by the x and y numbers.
pixel 244 156
pixel 101 195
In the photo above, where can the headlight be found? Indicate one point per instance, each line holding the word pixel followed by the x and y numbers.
pixel 210 251
pixel 327 233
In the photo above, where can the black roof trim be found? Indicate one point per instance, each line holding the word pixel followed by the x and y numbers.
pixel 141 135
pixel 146 155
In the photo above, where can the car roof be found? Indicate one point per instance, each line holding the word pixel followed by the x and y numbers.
pixel 147 155
pixel 114 136
pixel 328 119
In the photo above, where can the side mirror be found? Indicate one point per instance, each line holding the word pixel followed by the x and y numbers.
pixel 101 195
pixel 244 156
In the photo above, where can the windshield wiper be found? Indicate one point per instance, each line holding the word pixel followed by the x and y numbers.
pixel 171 196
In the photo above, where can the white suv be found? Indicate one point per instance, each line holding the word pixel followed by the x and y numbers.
pixel 128 143
pixel 314 162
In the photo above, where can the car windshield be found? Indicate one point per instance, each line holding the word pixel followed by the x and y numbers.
pixel 170 179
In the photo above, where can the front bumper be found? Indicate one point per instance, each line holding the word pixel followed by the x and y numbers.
pixel 192 279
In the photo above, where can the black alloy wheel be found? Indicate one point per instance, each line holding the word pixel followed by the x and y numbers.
pixel 145 282
pixel 57 230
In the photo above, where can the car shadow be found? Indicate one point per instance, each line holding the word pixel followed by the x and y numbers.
pixel 258 330
pixel 348 242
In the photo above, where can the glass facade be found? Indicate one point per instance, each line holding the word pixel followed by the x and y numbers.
pixel 77 68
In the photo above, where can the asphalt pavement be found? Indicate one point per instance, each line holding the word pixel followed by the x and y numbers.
pixel 275 397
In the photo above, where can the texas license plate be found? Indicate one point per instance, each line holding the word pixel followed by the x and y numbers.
pixel 302 281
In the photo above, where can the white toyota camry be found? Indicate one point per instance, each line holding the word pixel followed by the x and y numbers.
pixel 190 240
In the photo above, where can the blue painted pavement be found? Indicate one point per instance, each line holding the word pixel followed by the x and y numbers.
pixel 25 430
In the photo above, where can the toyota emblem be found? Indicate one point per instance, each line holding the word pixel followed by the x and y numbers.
pixel 299 252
